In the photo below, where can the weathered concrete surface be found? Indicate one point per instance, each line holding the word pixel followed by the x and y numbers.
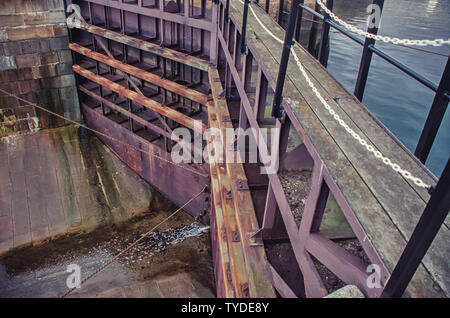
pixel 63 180
pixel 173 261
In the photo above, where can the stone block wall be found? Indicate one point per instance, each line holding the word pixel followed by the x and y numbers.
pixel 35 64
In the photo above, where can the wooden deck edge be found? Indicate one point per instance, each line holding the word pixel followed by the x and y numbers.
pixel 243 214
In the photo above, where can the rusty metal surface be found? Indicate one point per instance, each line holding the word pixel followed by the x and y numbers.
pixel 139 73
pixel 144 101
pixel 147 46
pixel 167 178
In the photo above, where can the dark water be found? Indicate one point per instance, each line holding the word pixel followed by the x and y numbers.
pixel 400 102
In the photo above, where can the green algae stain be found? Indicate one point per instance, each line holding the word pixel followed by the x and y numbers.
pixel 70 205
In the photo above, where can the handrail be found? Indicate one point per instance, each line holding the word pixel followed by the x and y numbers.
pixel 426 82
pixel 442 91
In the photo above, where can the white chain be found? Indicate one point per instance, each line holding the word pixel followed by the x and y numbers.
pixel 405 173
pixel 387 39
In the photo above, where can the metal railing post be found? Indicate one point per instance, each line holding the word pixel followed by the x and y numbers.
pixel 267 6
pixel 277 110
pixel 425 231
pixel 325 42
pixel 313 33
pixel 366 57
pixel 298 27
pixel 435 116
pixel 244 26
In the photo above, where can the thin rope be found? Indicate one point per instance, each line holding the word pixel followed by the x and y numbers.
pixel 103 134
pixel 132 245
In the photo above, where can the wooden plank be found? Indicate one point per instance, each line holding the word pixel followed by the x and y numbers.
pixel 371 213
pixel 146 46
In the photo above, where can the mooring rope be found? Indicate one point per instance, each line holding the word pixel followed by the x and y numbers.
pixel 386 39
pixel 378 154
pixel 132 245
pixel 104 135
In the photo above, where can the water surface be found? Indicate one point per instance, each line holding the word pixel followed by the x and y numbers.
pixel 400 102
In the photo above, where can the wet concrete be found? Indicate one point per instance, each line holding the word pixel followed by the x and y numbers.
pixel 173 261
pixel 63 180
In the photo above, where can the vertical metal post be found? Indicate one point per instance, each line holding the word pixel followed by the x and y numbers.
pixel 426 229
pixel 280 12
pixel 299 21
pixel 267 6
pixel 227 9
pixel 366 57
pixel 435 116
pixel 313 34
pixel 277 110
pixel 244 26
pixel 325 42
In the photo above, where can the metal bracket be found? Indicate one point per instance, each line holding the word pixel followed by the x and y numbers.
pixel 242 185
pixel 235 237
pixel 255 238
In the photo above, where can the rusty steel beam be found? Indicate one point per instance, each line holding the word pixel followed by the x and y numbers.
pixel 142 100
pixel 139 120
pixel 146 46
pixel 146 76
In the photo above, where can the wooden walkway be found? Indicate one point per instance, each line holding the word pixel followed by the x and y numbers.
pixel 382 206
